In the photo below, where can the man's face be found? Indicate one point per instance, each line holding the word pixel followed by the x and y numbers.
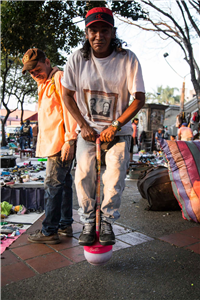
pixel 99 35
pixel 41 72
pixel 92 103
pixel 106 107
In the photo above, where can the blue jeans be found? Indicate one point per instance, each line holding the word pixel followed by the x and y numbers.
pixel 22 142
pixel 58 195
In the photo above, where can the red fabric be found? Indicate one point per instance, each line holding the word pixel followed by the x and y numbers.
pixel 99 10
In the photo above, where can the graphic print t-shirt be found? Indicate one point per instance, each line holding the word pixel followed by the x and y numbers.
pixel 103 86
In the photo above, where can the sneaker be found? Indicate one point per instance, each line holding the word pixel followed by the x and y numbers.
pixel 88 235
pixel 67 231
pixel 106 236
pixel 39 238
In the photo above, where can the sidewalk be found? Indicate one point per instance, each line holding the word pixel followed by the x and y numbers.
pixel 156 256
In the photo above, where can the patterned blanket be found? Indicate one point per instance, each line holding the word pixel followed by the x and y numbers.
pixel 184 171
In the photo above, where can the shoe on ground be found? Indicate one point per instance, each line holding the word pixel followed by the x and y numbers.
pixel 88 235
pixel 106 236
pixel 67 231
pixel 39 238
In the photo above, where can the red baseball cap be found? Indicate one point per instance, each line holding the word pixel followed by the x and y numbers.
pixel 99 14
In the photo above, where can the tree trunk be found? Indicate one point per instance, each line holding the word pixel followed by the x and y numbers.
pixel 3 141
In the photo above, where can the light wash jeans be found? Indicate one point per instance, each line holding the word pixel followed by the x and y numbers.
pixel 117 162
pixel 58 195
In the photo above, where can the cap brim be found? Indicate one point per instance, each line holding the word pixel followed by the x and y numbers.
pixel 29 66
pixel 99 21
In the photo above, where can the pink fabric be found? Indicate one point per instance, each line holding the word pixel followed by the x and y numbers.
pixel 7 242
pixel 134 130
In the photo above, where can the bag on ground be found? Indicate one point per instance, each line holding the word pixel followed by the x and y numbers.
pixel 155 186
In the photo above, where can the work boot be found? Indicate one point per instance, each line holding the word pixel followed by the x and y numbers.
pixel 88 235
pixel 39 238
pixel 107 236
pixel 67 231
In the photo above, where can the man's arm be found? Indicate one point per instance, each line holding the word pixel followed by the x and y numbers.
pixel 179 135
pixel 109 133
pixel 87 132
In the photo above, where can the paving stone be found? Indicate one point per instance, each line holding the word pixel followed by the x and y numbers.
pixel 49 262
pixel 192 232
pixel 8 258
pixel 179 239
pixel 120 245
pixel 66 242
pixel 195 248
pixel 134 238
pixel 15 272
pixel 76 254
pixel 32 250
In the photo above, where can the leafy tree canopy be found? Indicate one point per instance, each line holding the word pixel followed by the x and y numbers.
pixel 45 25
pixel 176 21
pixel 164 96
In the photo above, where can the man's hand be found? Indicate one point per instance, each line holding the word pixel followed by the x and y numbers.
pixel 67 152
pixel 108 134
pixel 88 133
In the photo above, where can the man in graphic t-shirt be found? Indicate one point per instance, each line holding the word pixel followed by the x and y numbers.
pixel 103 70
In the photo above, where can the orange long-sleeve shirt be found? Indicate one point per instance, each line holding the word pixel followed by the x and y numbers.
pixel 56 125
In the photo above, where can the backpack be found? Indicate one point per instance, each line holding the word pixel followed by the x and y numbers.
pixel 26 130
pixel 155 186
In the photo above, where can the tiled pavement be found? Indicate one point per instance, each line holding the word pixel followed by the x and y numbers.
pixel 23 259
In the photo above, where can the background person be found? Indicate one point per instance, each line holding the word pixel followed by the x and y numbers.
pixel 172 137
pixel 158 136
pixel 102 54
pixel 134 139
pixel 185 133
pixel 166 133
pixel 26 135
pixel 56 140
pixel 35 134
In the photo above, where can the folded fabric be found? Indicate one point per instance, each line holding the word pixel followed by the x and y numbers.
pixel 184 171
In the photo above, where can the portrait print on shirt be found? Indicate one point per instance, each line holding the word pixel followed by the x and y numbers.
pixel 101 106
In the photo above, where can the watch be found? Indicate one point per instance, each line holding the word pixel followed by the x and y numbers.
pixel 116 124
pixel 70 142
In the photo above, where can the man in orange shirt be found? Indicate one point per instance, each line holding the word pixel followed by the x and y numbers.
pixel 56 140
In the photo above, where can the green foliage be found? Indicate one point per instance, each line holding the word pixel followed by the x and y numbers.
pixel 51 26
pixel 164 96
pixel 129 9
pixel 45 25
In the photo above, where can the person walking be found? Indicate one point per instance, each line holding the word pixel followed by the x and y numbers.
pixel 104 70
pixel 56 140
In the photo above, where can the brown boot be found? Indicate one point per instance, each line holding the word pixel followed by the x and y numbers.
pixel 67 231
pixel 39 238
